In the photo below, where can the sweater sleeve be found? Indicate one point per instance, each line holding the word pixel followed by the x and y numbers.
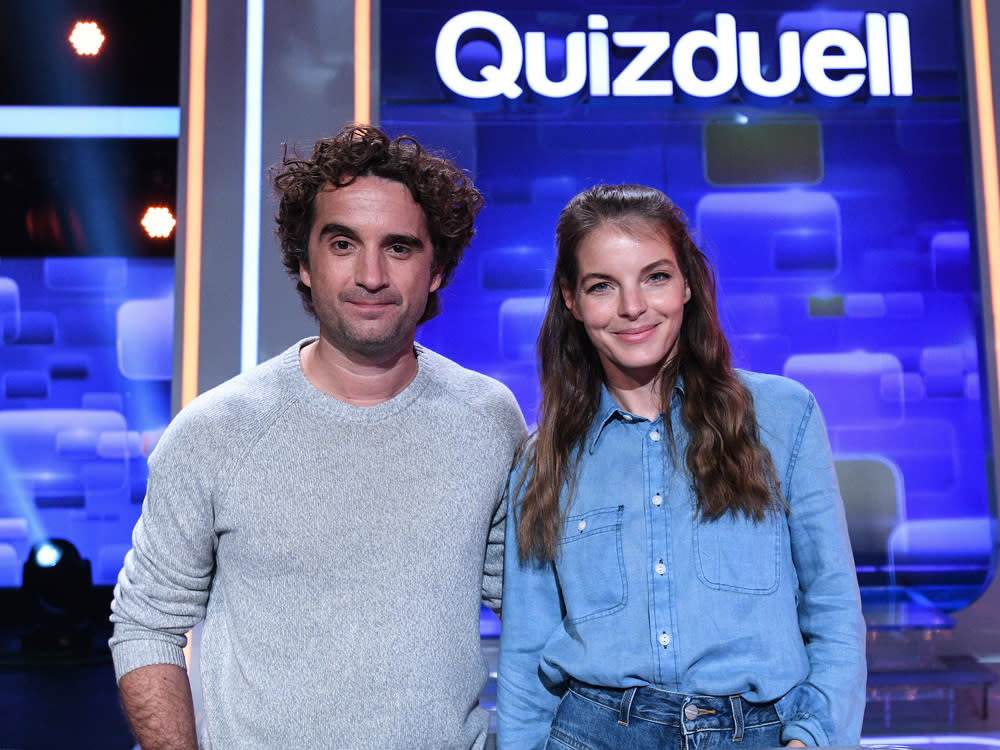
pixel 493 563
pixel 162 590
pixel 509 422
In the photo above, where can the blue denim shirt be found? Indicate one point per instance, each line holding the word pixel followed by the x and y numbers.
pixel 643 592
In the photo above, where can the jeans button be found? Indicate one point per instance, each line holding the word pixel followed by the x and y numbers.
pixel 690 712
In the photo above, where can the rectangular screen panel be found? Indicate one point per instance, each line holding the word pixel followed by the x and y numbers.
pixel 769 151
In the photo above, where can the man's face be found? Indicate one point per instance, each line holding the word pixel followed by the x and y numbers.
pixel 370 268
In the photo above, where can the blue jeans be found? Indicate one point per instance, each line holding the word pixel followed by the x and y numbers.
pixel 590 718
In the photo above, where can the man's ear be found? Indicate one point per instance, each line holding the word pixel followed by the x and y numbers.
pixel 304 276
pixel 437 274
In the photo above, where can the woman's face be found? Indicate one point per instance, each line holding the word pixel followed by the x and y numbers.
pixel 630 296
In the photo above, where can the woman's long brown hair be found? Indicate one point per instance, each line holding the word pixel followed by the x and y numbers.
pixel 730 468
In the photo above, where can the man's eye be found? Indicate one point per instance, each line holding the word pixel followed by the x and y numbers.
pixel 341 245
pixel 399 249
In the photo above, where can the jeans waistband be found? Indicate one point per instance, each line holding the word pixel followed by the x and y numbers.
pixel 688 712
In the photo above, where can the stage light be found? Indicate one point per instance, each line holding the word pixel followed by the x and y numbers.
pixel 56 587
pixel 86 38
pixel 47 555
pixel 158 222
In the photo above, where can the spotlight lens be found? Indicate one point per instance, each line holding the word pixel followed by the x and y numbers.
pixel 86 38
pixel 48 555
pixel 158 222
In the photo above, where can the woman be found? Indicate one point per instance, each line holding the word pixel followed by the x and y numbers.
pixel 678 571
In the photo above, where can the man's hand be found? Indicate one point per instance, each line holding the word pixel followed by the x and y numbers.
pixel 157 702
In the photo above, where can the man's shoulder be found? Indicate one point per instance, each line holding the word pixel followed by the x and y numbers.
pixel 468 389
pixel 242 401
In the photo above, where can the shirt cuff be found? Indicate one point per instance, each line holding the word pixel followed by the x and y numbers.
pixel 807 731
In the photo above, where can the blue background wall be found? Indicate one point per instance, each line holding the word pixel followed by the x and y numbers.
pixel 841 230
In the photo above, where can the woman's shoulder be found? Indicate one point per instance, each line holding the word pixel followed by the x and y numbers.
pixel 765 384
pixel 776 395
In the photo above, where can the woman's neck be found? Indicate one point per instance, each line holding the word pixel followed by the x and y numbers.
pixel 643 400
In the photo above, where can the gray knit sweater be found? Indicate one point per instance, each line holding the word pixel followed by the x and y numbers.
pixel 337 554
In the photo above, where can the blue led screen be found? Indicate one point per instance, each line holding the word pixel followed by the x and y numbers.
pixel 84 394
pixel 86 342
pixel 831 189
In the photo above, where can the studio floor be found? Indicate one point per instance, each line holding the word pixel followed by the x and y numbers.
pixel 923 720
pixel 53 706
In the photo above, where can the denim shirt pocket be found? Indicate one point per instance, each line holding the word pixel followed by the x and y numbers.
pixel 591 565
pixel 735 553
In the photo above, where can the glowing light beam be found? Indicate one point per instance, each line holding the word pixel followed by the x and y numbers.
pixel 90 122
pixel 191 315
pixel 250 315
pixel 362 61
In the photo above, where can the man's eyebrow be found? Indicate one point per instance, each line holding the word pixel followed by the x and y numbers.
pixel 338 229
pixel 410 240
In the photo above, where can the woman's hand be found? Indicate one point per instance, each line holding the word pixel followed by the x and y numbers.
pixel 795 743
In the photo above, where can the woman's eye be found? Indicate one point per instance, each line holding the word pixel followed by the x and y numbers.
pixel 600 286
pixel 659 276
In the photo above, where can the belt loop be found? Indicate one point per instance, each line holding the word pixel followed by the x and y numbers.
pixel 737 704
pixel 625 710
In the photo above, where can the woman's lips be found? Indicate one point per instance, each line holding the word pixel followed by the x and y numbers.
pixel 639 333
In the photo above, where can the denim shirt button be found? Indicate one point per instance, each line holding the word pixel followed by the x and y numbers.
pixel 664 639
pixel 657 500
pixel 661 568
pixel 654 436
pixel 582 525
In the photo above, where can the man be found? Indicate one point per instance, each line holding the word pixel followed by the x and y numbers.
pixel 334 515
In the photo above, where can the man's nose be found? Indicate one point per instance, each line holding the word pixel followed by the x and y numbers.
pixel 369 270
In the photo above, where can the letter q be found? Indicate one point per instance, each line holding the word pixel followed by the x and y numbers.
pixel 497 80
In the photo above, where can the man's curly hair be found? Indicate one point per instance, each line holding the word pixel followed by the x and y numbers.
pixel 445 193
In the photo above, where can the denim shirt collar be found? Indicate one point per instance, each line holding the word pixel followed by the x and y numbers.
pixel 609 411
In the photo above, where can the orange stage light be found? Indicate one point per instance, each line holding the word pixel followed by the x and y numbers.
pixel 87 38
pixel 158 222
